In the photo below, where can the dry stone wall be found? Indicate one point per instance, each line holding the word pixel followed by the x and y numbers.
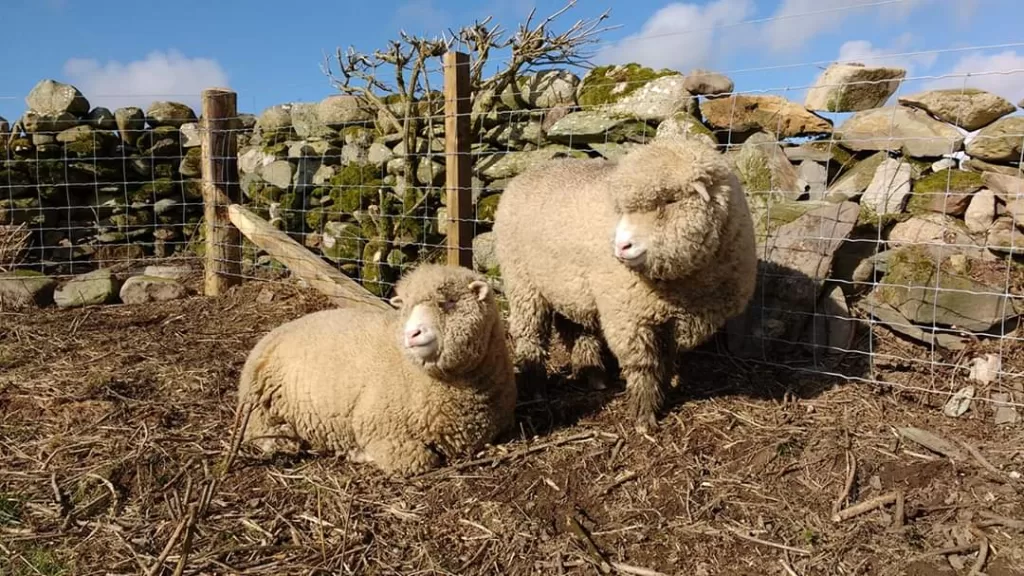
pixel 894 214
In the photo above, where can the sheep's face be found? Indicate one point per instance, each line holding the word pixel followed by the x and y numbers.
pixel 445 325
pixel 670 214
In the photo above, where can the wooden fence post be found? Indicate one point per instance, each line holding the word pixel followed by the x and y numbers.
pixel 458 163
pixel 220 189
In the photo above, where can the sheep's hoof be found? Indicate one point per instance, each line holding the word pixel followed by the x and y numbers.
pixel 645 423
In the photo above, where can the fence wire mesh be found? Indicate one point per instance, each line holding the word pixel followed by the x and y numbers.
pixel 888 217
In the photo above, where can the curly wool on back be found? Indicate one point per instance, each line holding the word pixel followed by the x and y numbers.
pixel 405 389
pixel 654 251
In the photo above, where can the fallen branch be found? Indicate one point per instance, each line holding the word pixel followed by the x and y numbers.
pixel 982 552
pixel 992 519
pixel 851 474
pixel 865 506
pixel 596 556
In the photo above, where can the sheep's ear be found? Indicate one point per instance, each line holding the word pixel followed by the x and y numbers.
pixel 701 190
pixel 396 301
pixel 480 288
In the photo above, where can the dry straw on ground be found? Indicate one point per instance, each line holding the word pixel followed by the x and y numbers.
pixel 114 430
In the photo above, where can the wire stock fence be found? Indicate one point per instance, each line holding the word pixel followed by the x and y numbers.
pixel 890 240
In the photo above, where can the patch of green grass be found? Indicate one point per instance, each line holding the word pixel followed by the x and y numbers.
pixel 35 561
pixel 10 505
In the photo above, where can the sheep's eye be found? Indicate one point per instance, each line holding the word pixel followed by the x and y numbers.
pixel 448 304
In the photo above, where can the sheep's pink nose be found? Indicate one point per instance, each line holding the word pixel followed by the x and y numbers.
pixel 413 333
pixel 623 245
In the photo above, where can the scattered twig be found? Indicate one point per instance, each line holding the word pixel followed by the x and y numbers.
pixel 982 461
pixel 622 479
pixel 577 530
pixel 769 543
pixel 789 569
pixel 865 506
pixel 899 517
pixel 635 570
pixel 992 519
pixel 186 544
pixel 982 552
pixel 155 568
pixel 851 474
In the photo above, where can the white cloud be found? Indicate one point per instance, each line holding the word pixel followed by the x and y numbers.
pixel 898 55
pixel 679 35
pixel 159 76
pixel 1001 73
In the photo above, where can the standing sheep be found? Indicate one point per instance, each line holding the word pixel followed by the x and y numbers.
pixel 653 251
pixel 404 389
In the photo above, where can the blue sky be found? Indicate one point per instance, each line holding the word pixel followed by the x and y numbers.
pixel 119 52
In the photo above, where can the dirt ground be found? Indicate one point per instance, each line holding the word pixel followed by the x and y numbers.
pixel 115 422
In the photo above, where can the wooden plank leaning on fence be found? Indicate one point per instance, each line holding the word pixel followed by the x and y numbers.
pixel 458 163
pixel 227 220
pixel 340 289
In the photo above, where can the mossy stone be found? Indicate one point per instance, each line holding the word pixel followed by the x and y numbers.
pixel 150 191
pixel 342 242
pixel 609 84
pixel 354 186
pixel 21 211
pixel 949 180
pixel 486 207
pixel 277 149
pixel 376 274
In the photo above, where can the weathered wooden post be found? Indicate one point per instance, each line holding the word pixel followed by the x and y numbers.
pixel 220 189
pixel 458 163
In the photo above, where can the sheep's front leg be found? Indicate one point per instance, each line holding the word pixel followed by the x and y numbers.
pixel 640 352
pixel 270 435
pixel 585 346
pixel 529 325
pixel 405 457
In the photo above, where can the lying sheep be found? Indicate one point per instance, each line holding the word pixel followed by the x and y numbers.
pixel 653 252
pixel 404 389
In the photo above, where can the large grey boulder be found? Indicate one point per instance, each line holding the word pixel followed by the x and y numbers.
pixel 903 128
pixel 657 100
pixel 763 167
pixel 968 108
pixel 144 289
pixel 1000 141
pixel 93 288
pixel 853 87
pixel 51 97
pixel 340 110
pixel 772 114
pixel 165 113
pixel 22 289
pixel 889 189
pixel 930 291
pixel 700 82
pixel 588 126
pixel 130 121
